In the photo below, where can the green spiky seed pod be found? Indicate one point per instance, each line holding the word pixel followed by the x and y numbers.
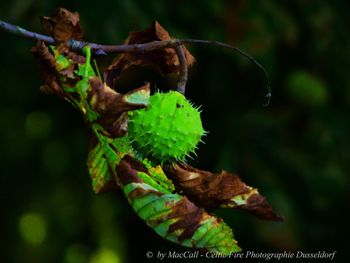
pixel 167 130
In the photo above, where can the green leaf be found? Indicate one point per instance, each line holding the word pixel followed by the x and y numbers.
pixel 102 159
pixel 61 61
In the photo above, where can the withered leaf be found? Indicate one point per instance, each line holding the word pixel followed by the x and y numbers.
pixel 113 107
pixel 165 60
pixel 219 190
pixel 64 25
pixel 51 74
pixel 106 100
pixel 47 65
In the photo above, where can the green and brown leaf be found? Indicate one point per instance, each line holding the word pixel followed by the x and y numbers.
pixel 173 216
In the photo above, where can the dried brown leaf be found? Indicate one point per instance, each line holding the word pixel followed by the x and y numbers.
pixel 165 59
pixel 47 65
pixel 219 190
pixel 64 25
pixel 258 206
pixel 113 106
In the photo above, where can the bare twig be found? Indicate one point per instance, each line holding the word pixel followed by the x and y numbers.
pixel 99 49
pixel 19 31
pixel 241 52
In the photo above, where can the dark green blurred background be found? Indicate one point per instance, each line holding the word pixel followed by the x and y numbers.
pixel 296 151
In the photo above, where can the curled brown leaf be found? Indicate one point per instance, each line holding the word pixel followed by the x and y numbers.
pixel 63 25
pixel 113 107
pixel 165 60
pixel 219 190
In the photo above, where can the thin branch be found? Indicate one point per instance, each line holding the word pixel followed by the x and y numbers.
pixel 19 31
pixel 76 45
pixel 241 52
pixel 99 49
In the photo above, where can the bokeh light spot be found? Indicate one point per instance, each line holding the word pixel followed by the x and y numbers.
pixel 307 89
pixel 105 255
pixel 33 228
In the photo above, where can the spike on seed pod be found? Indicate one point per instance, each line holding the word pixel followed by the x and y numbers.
pixel 170 138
